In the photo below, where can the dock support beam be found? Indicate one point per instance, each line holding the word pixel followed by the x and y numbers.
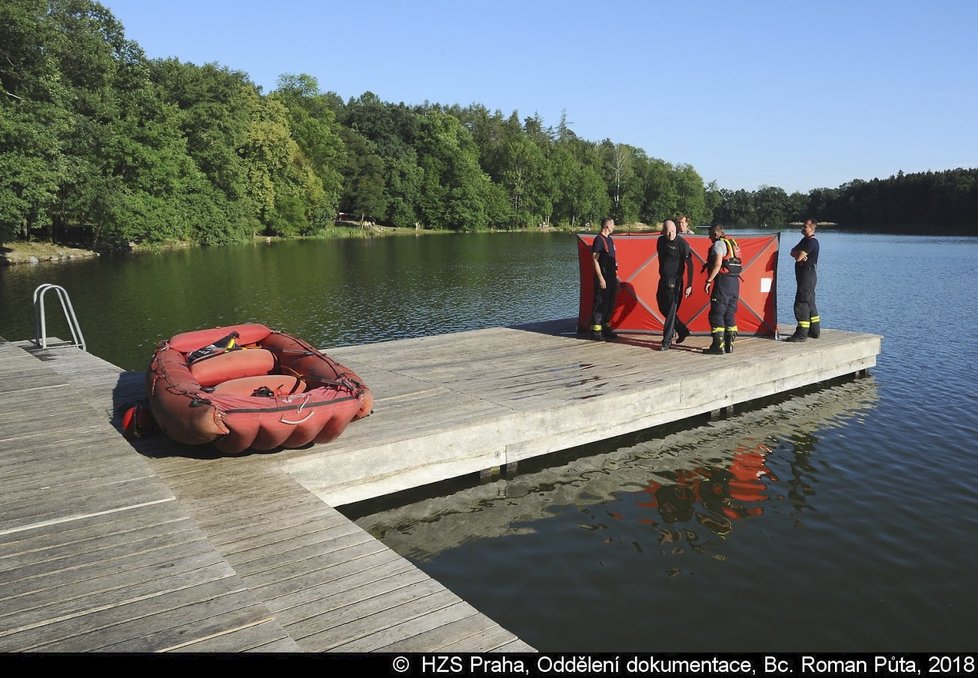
pixel 491 473
pixel 722 413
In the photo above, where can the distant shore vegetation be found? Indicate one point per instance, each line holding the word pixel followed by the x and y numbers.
pixel 105 148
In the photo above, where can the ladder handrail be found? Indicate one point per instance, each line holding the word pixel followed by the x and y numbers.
pixel 40 324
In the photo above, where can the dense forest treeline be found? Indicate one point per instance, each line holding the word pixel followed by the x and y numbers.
pixel 103 146
pixel 945 200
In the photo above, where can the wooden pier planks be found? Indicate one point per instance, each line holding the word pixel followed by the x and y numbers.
pixel 327 583
pixel 454 404
pixel 95 552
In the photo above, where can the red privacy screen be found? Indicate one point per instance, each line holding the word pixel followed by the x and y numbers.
pixel 638 269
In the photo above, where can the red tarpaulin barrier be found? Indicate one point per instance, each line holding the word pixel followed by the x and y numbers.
pixel 638 270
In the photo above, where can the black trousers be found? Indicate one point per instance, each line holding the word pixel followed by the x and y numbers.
pixel 604 302
pixel 668 295
pixel 805 308
pixel 723 301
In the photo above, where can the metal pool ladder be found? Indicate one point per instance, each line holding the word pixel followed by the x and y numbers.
pixel 40 327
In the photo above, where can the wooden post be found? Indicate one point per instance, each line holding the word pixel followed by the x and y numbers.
pixel 491 473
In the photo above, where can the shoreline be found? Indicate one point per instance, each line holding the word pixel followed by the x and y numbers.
pixel 17 253
pixel 35 253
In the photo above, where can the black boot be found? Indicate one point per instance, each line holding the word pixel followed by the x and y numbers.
pixel 801 334
pixel 814 330
pixel 728 341
pixel 681 334
pixel 716 348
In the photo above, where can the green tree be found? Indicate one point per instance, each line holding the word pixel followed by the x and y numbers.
pixel 289 194
pixel 772 206
pixel 662 195
pixel 33 120
pixel 455 190
pixel 619 174
pixel 692 194
pixel 403 183
pixel 214 104
pixel 128 176
pixel 713 198
pixel 364 193
pixel 318 135
pixel 528 180
pixel 392 132
pixel 490 134
pixel 588 200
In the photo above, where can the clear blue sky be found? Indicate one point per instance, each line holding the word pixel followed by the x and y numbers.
pixel 781 93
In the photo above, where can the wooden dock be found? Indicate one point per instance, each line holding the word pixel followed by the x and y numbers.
pixel 105 549
pixel 461 403
pixel 170 548
pixel 96 554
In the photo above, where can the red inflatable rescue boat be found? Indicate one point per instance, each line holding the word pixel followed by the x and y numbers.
pixel 246 386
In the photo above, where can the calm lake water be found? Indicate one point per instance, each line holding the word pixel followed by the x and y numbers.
pixel 839 519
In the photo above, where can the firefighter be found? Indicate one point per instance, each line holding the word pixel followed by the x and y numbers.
pixel 605 281
pixel 675 257
pixel 805 254
pixel 723 268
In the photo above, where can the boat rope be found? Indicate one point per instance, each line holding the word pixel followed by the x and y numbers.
pixel 305 400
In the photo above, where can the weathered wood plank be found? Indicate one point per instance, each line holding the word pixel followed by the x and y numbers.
pixel 469 629
pixel 320 546
pixel 71 488
pixel 286 644
pixel 121 495
pixel 53 453
pixel 282 517
pixel 305 601
pixel 186 631
pixel 52 547
pixel 363 631
pixel 19 371
pixel 142 623
pixel 489 640
pixel 515 645
pixel 79 565
pixel 369 613
pixel 70 605
pixel 413 635
pixel 23 418
pixel 340 573
pixel 161 517
pixel 61 593
pixel 342 558
pixel 114 622
pixel 254 550
pixel 249 638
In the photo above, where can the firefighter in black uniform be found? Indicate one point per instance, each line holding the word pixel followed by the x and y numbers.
pixel 675 256
pixel 805 254
pixel 723 286
pixel 605 281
